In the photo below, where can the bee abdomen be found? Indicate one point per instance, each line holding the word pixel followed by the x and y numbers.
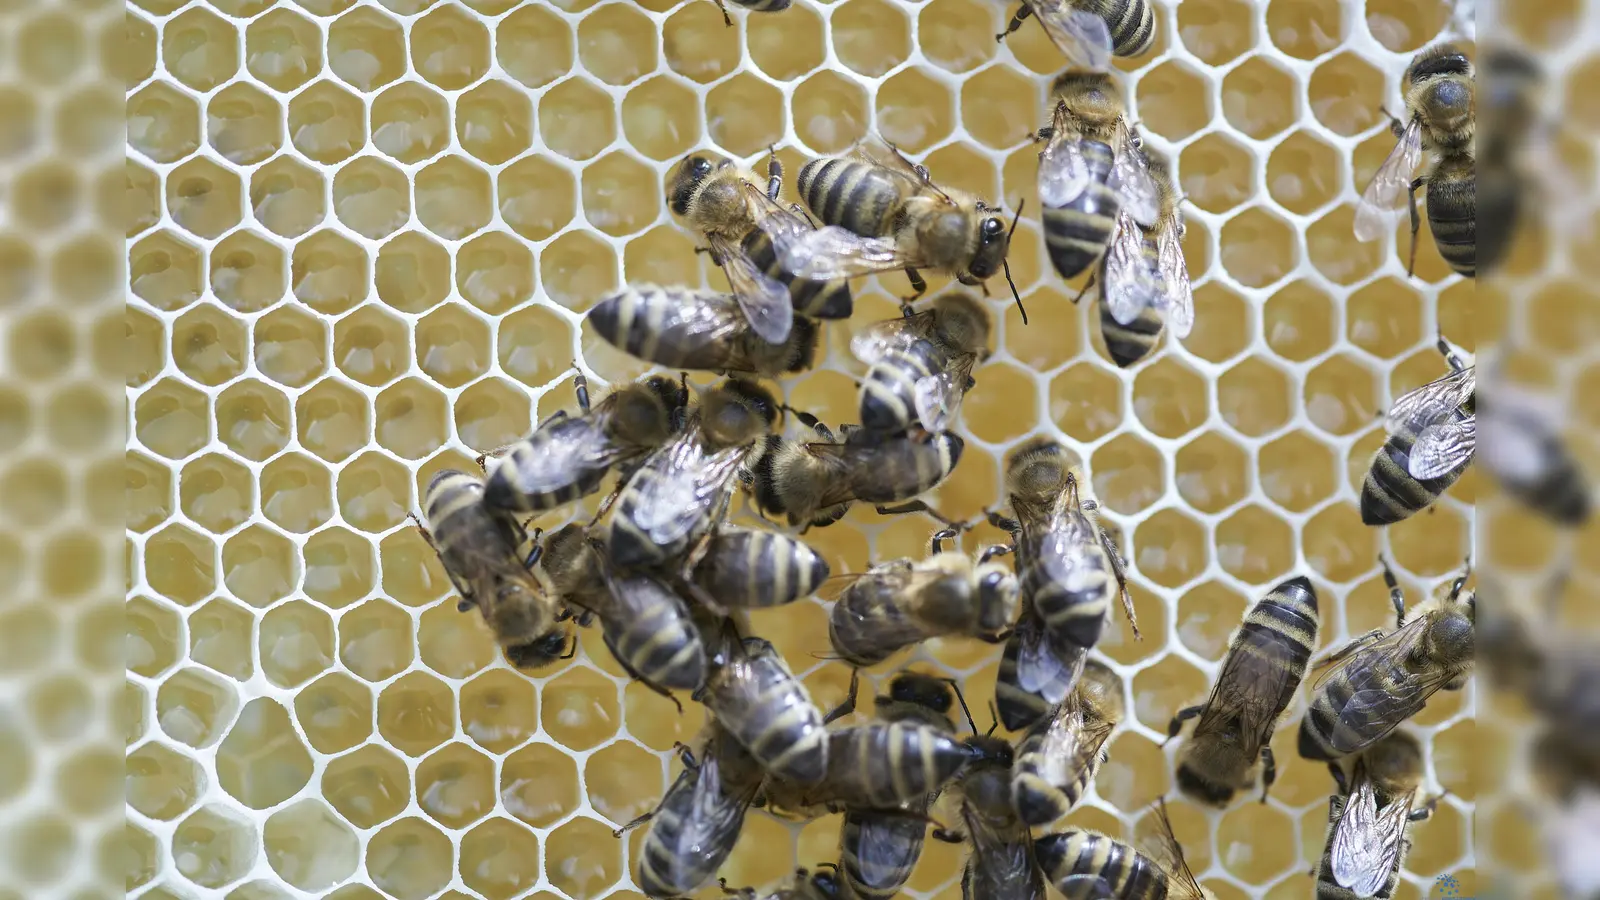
pixel 852 195
pixel 508 486
pixel 898 762
pixel 888 393
pixel 1322 717
pixel 758 569
pixel 1077 234
pixel 660 643
pixel 1039 801
pixel 861 626
pixel 1389 494
pixel 1132 24
pixel 1096 859
pixel 1127 344
pixel 818 299
pixel 1075 615
pixel 764 5
pixel 664 870
pixel 1018 709
pixel 878 852
pixel 1452 216
pixel 1282 629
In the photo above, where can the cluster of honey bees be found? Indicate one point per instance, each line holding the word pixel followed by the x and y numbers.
pixel 669 579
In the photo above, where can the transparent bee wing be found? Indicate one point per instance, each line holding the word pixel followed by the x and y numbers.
pixel 1382 202
pixel 668 508
pixel 1168 854
pixel 1063 172
pixel 1130 177
pixel 1042 667
pixel 1127 286
pixel 1443 448
pixel 1081 36
pixel 764 300
pixel 938 397
pixel 1366 842
pixel 1176 297
pixel 871 343
pixel 1514 446
pixel 832 252
pixel 1433 402
pixel 780 222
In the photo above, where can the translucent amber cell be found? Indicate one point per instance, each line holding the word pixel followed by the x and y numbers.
pixel 1546 28
pixel 1256 843
pixel 366 48
pixel 193 707
pixel 1258 247
pixel 492 413
pixel 200 49
pixel 945 30
pixel 329 273
pixel 1304 174
pixel 1170 398
pixel 1119 781
pixel 539 785
pixel 577 119
pixel 147 497
pixel 1463 756
pixel 1255 397
pixel 455 786
pixel 208 345
pixel 165 271
pixel 1159 691
pixel 1174 101
pixel 1305 29
pixel 367 786
pixel 130 715
pixel 413 272
pixel 1086 402
pixel 329 124
pixel 411 571
pixel 753 860
pixel 260 566
pixel 452 643
pixel 449 48
pixel 214 846
pixel 1128 474
pixel 33 491
pixel 1337 544
pixel 1170 548
pixel 590 858
pixel 138 854
pixel 620 194
pixel 283 50
pixel 371 346
pixel 577 268
pixel 494 272
pixel 1341 396
pixel 296 643
pixel 134 51
pixel 371 197
pixel 996 410
pixel 999 107
pixel 140 203
pixel 1255 545
pixel 333 420
pixel 171 419
pixel 309 847
pixel 219 637
pixel 914 110
pixel 500 859
pixel 787 46
pixel 290 347
pixel 1385 318
pixel 744 115
pixel 1298 471
pixel 617 44
pixel 416 713
pixel 494 122
pixel 334 712
pixel 412 419
pixel 40 346
pixel 1209 614
pixel 580 708
pixel 253 419
pixel 410 859
pixel 1259 98
pixel 286 197
pixel 1213 473
pixel 1334 254
pixel 1345 94
pixel 871 37
pixel 45 197
pixel 153 637
pixel 1436 844
pixel 1299 321
pixel 1217 32
pixel 1218 173
pixel 410 122
pixel 534 46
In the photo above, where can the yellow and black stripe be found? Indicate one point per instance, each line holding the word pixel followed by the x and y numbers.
pixel 817 299
pixel 753 569
pixel 1076 234
pixel 1389 494
pixel 852 194
pixel 1087 865
pixel 1452 202
pixel 881 765
pixel 1132 24
pixel 760 702
pixel 651 634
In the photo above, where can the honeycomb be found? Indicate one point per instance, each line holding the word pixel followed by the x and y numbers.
pixel 360 241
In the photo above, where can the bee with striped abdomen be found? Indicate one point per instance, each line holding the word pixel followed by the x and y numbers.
pixel 647 626
pixel 745 568
pixel 1379 680
pixel 1522 449
pixel 1368 819
pixel 695 826
pixel 1089 32
pixel 881 213
pixel 761 6
pixel 920 365
pixel 481 553
pixel 814 483
pixel 700 330
pixel 747 229
pixel 900 603
pixel 1001 865
pixel 1440 103
pixel 1090 168
pixel 1087 865
pixel 822 884
pixel 759 701
pixel 679 494
pixel 1144 280
pixel 1058 758
pixel 1069 567
pixel 1265 664
pixel 567 457
pixel 1019 709
pixel 1432 436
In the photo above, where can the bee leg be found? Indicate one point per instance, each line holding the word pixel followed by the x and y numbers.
pixel 1339 779
pixel 1396 127
pixel 920 506
pixel 605 506
pixel 1184 715
pixel 1461 581
pixel 619 832
pixel 1426 810
pixel 1396 596
pixel 962 699
pixel 848 705
pixel 1344 652
pixel 746 893
pixel 811 422
pixel 1416 223
pixel 918 286
pixel 774 174
pixel 948 837
pixel 727 21
pixel 942 535
pixel 997 550
pixel 581 384
pixel 1449 354
pixel 1118 567
pixel 1023 12
pixel 1086 286
pixel 1269 771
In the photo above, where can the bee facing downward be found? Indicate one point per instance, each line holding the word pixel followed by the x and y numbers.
pixel 1089 32
pixel 1432 437
pixel 1368 819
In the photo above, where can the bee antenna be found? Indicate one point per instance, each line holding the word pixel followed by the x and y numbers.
pixel 961 698
pixel 1006 263
pixel 994 719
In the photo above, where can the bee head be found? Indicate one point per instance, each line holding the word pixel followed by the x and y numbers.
pixel 1437 61
pixel 989 750
pixel 922 690
pixel 825 882
pixel 737 411
pixel 993 241
pixel 1451 636
pixel 539 652
pixel 963 322
pixel 1038 469
pixel 687 178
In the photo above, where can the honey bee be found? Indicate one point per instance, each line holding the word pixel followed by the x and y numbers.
pixel 1265 664
pixel 763 6
pixel 695 826
pixel 480 553
pixel 1087 865
pixel 748 569
pixel 678 495
pixel 1144 280
pixel 1522 448
pixel 759 701
pixel 1089 32
pixel 822 884
pixel 647 626
pixel 568 456
pixel 1432 436
pixel 1090 168
pixel 1068 565
pixel 880 212
pixel 1019 709
pixel 746 228
pixel 1057 759
pixel 1001 865
pixel 1379 680
pixel 1440 103
pixel 896 604
pixel 1368 819
pixel 814 483
pixel 689 328
pixel 920 365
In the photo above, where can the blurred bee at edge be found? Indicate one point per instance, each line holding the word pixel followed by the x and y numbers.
pixel 1089 32
pixel 1432 436
pixel 1522 449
